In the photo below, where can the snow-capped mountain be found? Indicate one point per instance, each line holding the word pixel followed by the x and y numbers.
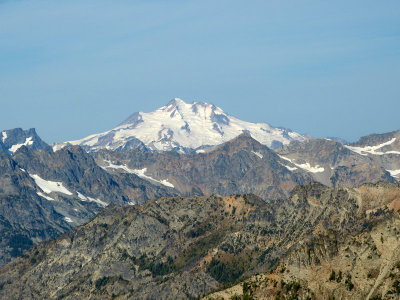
pixel 13 139
pixel 184 127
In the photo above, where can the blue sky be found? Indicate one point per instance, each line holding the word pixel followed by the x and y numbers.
pixel 327 68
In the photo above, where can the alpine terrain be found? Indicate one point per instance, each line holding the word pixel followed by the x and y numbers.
pixel 188 201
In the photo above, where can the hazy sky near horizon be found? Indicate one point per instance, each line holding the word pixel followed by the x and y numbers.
pixel 326 68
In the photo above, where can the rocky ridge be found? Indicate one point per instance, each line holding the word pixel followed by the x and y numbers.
pixel 186 247
pixel 334 164
pixel 242 165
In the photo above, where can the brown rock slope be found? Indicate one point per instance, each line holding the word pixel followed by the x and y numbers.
pixel 360 262
pixel 188 247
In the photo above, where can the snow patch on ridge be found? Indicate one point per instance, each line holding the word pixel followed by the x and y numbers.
pixel 90 199
pixel 394 173
pixel 48 186
pixel 28 141
pixel 306 166
pixel 258 154
pixel 373 149
pixel 4 134
pixel 57 147
pixel 140 173
pixel 45 196
pixel 289 168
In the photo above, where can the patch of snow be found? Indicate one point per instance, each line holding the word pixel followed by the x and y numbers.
pixel 131 203
pixel 68 219
pixel 289 168
pixel 75 209
pixel 48 186
pixel 394 173
pixel 57 147
pixel 82 197
pixel 98 201
pixel 4 134
pixel 258 154
pixel 200 151
pixel 28 141
pixel 140 173
pixel 121 167
pixel 306 166
pixel 22 170
pixel 45 196
pixel 90 199
pixel 373 149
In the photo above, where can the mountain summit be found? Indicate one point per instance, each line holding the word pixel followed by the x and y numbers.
pixel 184 127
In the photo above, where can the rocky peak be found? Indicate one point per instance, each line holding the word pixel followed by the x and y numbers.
pixel 176 103
pixel 244 141
pixel 13 139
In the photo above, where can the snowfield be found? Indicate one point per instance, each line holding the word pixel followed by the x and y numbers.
pixel 394 173
pixel 90 199
pixel 139 173
pixel 48 186
pixel 306 166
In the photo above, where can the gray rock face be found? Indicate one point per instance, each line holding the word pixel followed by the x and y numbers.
pixel 45 193
pixel 13 139
pixel 25 218
pixel 241 165
pixel 2 147
pixel 185 247
pixel 78 171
